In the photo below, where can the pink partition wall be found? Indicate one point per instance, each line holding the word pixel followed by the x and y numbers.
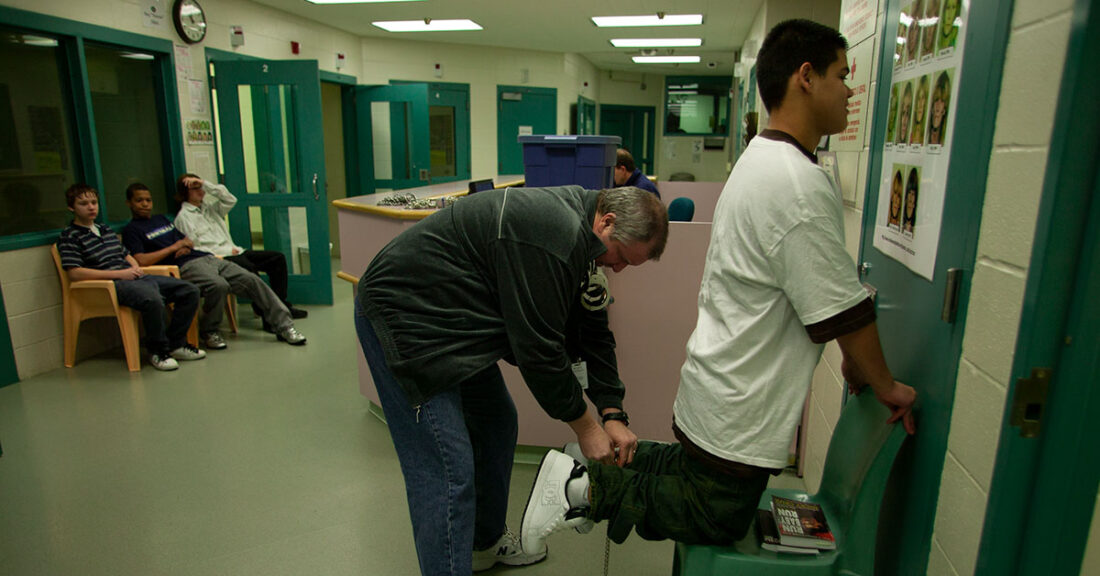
pixel 652 316
pixel 704 194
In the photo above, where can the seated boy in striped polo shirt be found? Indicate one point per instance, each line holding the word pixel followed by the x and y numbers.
pixel 91 251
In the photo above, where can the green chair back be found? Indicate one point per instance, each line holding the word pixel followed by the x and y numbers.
pixel 857 467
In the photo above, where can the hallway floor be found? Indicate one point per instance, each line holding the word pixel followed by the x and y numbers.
pixel 262 459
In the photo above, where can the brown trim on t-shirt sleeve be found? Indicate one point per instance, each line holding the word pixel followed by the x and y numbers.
pixel 843 323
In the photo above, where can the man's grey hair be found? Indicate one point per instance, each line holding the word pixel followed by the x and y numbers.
pixel 639 217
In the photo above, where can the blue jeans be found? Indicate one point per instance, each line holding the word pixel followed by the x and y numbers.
pixel 149 295
pixel 456 453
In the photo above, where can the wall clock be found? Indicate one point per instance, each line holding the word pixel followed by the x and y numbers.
pixel 190 20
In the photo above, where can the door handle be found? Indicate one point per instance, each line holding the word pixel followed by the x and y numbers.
pixel 315 195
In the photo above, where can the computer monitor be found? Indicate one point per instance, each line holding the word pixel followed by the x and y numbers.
pixel 479 185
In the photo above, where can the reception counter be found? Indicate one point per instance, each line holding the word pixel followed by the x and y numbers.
pixel 652 315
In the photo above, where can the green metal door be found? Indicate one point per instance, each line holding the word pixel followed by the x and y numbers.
pixel 908 256
pixel 272 157
pixel 448 128
pixel 636 126
pixel 392 127
pixel 8 371
pixel 522 110
pixel 586 116
pixel 1043 493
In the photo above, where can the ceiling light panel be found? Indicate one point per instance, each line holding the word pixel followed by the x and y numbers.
pixel 427 25
pixel 666 59
pixel 651 20
pixel 655 42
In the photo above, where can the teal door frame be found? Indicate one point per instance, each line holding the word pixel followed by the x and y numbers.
pixel 1044 488
pixel 305 177
pixel 648 131
pixel 535 107
pixel 921 348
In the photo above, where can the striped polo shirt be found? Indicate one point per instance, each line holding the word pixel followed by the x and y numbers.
pixel 81 248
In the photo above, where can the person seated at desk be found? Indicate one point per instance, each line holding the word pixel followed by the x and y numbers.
pixel 203 207
pixel 154 240
pixel 91 251
pixel 626 174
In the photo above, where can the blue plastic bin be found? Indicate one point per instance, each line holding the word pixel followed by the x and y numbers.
pixel 587 161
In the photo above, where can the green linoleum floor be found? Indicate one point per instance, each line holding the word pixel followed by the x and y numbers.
pixel 263 459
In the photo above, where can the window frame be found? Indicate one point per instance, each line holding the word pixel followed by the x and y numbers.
pixel 71 36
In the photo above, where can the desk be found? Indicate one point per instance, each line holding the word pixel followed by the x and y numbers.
pixel 652 316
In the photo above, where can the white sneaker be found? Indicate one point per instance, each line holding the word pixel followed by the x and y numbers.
pixel 573 450
pixel 164 363
pixel 188 352
pixel 548 509
pixel 291 336
pixel 214 341
pixel 506 551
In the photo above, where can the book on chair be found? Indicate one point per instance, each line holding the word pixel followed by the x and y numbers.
pixel 801 524
pixel 769 535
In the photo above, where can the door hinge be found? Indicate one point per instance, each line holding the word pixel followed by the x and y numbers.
pixel 1030 401
pixel 951 295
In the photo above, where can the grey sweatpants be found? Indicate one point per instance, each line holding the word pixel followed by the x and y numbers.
pixel 216 278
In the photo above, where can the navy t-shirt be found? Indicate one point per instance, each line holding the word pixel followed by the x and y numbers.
pixel 156 233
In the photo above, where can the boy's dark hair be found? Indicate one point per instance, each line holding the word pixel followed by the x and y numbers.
pixel 134 188
pixel 623 158
pixel 181 188
pixel 786 48
pixel 76 191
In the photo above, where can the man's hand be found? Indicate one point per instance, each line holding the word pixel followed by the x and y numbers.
pixel 623 441
pixel 184 243
pixel 193 182
pixel 181 252
pixel 594 441
pixel 899 398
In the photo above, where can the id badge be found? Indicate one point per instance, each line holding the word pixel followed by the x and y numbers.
pixel 580 371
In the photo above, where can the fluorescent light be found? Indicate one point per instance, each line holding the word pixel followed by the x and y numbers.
pixel 137 56
pixel 666 59
pixel 357 1
pixel 651 20
pixel 39 41
pixel 427 25
pixel 655 42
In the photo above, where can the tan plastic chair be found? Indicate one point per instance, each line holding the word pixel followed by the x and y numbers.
pixel 97 298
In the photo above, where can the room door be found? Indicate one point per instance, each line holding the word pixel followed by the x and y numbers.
pixel 919 257
pixel 521 111
pixel 585 116
pixel 268 121
pixel 1043 492
pixel 392 127
pixel 635 125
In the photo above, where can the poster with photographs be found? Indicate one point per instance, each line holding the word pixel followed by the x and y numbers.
pixel 917 144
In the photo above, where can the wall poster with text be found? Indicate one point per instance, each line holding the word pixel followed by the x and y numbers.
pixel 917 146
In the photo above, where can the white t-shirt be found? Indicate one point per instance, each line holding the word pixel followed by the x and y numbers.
pixel 776 263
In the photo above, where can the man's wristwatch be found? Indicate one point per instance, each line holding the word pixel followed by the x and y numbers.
pixel 620 416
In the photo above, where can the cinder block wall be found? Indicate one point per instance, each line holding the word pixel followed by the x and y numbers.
pixel 1032 74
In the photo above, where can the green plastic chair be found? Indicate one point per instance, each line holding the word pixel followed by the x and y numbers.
pixel 858 463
